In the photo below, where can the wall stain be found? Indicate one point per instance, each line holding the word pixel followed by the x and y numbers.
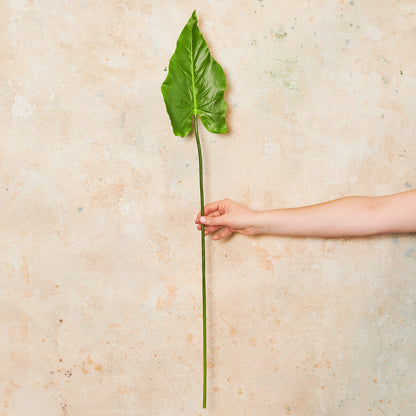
pixel 166 302
pixel 24 269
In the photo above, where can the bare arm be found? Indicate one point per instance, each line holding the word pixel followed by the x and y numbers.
pixel 344 217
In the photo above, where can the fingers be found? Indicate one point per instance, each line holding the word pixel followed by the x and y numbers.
pixel 216 220
pixel 219 236
pixel 222 234
pixel 209 229
pixel 207 213
pixel 213 209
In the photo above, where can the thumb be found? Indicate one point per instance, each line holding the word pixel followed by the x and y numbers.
pixel 213 220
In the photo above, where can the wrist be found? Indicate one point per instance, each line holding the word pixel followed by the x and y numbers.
pixel 259 223
pixel 267 222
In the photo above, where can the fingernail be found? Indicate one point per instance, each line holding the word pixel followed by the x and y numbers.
pixel 203 219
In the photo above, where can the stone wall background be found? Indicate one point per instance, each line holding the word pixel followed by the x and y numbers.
pixel 100 292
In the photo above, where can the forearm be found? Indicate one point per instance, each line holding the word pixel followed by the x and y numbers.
pixel 345 217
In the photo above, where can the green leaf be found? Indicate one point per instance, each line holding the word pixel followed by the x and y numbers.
pixel 195 84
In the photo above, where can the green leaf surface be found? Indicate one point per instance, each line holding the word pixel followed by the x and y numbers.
pixel 195 84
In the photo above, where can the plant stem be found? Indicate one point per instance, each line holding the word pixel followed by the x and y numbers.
pixel 204 300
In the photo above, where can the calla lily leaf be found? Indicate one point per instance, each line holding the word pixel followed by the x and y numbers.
pixel 195 84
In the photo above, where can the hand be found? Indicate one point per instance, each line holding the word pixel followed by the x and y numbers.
pixel 228 217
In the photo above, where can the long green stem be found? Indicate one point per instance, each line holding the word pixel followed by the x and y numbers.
pixel 204 298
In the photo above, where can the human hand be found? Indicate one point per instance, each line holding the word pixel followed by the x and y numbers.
pixel 228 217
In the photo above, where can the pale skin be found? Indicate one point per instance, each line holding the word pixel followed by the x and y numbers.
pixel 344 217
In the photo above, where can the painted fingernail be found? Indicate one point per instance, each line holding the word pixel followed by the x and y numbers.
pixel 203 219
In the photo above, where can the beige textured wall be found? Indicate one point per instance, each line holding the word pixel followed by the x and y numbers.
pixel 100 309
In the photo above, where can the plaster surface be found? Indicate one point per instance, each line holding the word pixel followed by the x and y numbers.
pixel 100 287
